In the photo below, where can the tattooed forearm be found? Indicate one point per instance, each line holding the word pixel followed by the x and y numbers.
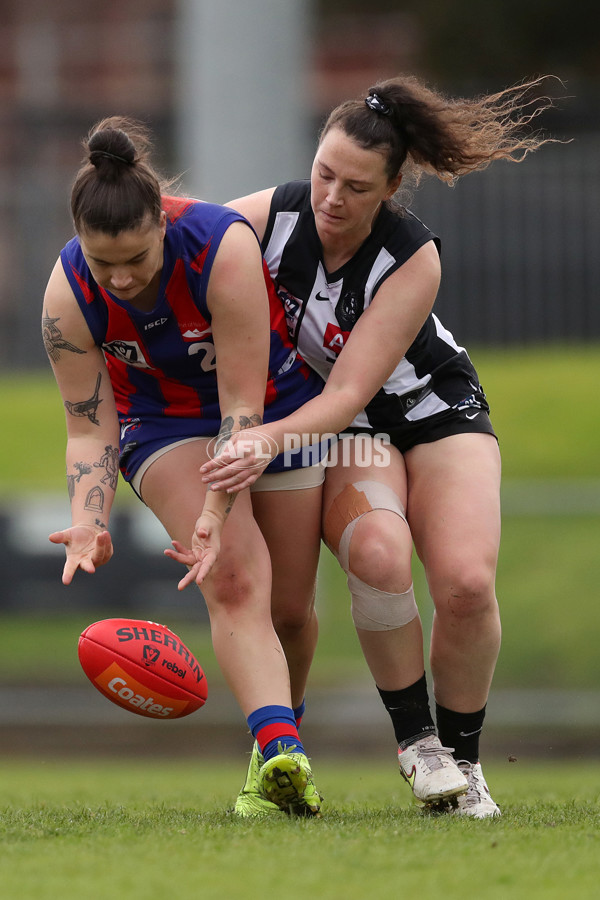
pixel 225 432
pixel 53 339
pixel 73 479
pixel 230 502
pixel 228 428
pixel 109 461
pixel 82 469
pixel 250 421
pixel 95 499
pixel 87 408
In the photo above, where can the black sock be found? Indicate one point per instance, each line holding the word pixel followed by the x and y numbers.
pixel 409 711
pixel 461 731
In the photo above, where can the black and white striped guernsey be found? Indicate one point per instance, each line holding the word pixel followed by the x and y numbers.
pixel 322 307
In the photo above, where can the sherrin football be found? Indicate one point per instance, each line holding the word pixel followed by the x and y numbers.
pixel 143 667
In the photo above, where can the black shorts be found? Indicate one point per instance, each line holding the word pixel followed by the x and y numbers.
pixel 472 419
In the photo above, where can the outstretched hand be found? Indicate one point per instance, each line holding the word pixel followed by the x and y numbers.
pixel 240 461
pixel 87 548
pixel 206 543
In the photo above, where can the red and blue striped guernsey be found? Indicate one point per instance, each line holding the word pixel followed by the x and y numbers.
pixel 162 363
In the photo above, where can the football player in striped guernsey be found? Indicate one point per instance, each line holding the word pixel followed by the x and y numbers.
pixel 165 338
pixel 358 274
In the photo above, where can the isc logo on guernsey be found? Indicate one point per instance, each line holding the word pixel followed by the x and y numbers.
pixel 119 687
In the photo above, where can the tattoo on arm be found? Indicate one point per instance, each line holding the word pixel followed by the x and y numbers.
pixel 53 339
pixel 82 469
pixel 250 421
pixel 230 502
pixel 87 408
pixel 95 499
pixel 109 461
pixel 228 427
pixel 225 432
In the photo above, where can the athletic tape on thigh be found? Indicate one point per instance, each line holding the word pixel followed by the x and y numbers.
pixel 372 609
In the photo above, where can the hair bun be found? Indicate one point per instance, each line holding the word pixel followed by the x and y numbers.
pixel 113 144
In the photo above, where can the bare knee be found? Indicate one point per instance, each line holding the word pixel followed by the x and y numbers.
pixel 467 593
pixel 292 609
pixel 229 587
pixel 292 620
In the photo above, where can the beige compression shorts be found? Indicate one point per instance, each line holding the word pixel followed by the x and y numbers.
pixel 288 480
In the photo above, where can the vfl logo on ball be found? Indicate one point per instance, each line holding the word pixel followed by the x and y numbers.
pixel 150 655
pixel 251 450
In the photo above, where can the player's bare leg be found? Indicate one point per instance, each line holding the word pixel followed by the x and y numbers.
pixel 237 590
pixel 454 514
pixel 365 526
pixel 290 522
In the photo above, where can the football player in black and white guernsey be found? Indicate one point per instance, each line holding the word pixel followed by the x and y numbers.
pixel 417 463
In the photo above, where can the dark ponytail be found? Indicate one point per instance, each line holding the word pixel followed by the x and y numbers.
pixel 116 188
pixel 422 131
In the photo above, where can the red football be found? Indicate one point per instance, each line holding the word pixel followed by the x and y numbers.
pixel 142 667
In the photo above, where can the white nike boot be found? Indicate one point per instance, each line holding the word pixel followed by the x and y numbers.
pixel 431 771
pixel 477 802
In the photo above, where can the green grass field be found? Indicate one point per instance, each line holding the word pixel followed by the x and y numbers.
pixel 93 831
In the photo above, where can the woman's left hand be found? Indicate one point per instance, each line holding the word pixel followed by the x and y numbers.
pixel 206 543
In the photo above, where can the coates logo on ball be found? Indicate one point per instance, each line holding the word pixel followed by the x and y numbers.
pixel 142 667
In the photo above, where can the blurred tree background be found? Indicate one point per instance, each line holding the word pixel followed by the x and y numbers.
pixel 489 44
pixel 65 65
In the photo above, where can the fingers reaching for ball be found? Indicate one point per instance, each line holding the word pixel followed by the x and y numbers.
pixel 87 547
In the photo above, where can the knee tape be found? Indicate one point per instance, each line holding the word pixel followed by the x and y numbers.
pixel 352 504
pixel 375 610
pixel 372 609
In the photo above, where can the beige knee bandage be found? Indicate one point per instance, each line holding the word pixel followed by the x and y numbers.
pixel 372 609
pixel 375 610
